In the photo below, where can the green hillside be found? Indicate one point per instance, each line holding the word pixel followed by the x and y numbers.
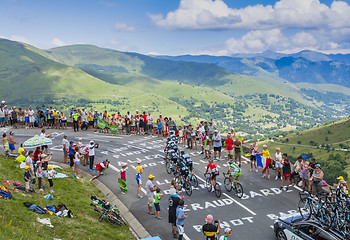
pixel 327 143
pixel 104 60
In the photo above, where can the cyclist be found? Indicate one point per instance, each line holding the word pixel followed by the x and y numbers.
pixel 228 233
pixel 183 169
pixel 209 229
pixel 187 159
pixel 213 168
pixel 234 171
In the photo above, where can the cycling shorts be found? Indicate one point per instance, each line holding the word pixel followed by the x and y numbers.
pixel 236 174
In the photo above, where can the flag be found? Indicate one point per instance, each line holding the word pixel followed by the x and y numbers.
pixel 262 162
pixel 114 128
pixel 101 124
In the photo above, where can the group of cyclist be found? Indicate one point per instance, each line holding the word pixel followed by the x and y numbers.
pixel 183 164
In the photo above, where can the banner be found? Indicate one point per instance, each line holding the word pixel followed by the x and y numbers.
pixel 101 124
pixel 114 128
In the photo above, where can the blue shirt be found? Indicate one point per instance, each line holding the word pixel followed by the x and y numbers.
pixel 179 214
pixel 26 175
pixel 96 115
pixel 71 151
pixel 159 125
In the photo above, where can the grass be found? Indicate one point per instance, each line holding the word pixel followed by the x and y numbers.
pixel 18 222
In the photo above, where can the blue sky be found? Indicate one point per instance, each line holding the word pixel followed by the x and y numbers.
pixel 174 27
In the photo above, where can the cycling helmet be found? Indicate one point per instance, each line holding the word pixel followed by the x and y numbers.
pixel 182 152
pixel 173 157
pixel 171 132
pixel 230 162
pixel 210 160
pixel 227 230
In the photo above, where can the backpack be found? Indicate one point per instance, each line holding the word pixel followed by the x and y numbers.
pixel 27 204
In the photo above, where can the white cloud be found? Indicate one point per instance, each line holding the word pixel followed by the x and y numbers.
pixel 215 14
pixel 123 27
pixel 57 42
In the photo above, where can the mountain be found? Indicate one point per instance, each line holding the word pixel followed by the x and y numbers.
pixel 302 67
pixel 329 144
pixel 104 59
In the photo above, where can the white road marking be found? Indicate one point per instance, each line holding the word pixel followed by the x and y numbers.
pixel 240 204
pixel 186 237
pixel 114 168
pixel 95 139
pixel 106 136
pixel 298 188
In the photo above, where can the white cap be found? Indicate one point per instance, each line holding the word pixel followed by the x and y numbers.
pixel 92 142
pixel 215 130
pixel 138 161
pixel 80 139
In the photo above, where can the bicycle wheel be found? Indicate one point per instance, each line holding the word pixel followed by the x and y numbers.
pixel 238 189
pixel 168 167
pixel 208 184
pixel 194 180
pixel 119 218
pixel 178 183
pixel 114 221
pixel 217 189
pixel 228 184
pixel 304 208
pixel 188 188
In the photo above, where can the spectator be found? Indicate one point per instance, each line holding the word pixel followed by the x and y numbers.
pixel 150 188
pixel 157 198
pixel 145 122
pixel 122 179
pixel 91 150
pixel 173 203
pixel 304 173
pixel 77 161
pixel 207 141
pixel 12 143
pixel 232 131
pixel 71 152
pixel 296 170
pixel 278 163
pixel 65 145
pixel 217 144
pixel 180 218
pixel 189 136
pixel 265 153
pixel 50 173
pixel 171 124
pixel 317 180
pixel 209 229
pixel 31 114
pixel 194 138
pixel 45 163
pixel 237 144
pixel 229 146
pixel 39 174
pixel 227 232
pixel 286 171
pixel 137 121
pixel 5 143
pixel 311 168
pixel 75 117
pixel 14 116
pixel 150 123
pixel 159 129
pixel 211 130
pixel 44 148
pixel 100 168
pixel 27 178
pixel 139 170
pixel 29 162
pixel 253 150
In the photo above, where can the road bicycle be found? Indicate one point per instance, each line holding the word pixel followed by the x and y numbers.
pixel 235 185
pixel 193 179
pixel 217 188
pixel 184 183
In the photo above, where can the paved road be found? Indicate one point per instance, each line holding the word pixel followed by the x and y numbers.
pixel 251 217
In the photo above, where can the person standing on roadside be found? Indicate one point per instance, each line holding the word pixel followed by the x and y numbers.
pixel 75 117
pixel 278 163
pixel 189 136
pixel 180 218
pixel 139 170
pixel 229 147
pixel 65 145
pixel 123 184
pixel 145 122
pixel 150 123
pixel 91 150
pixel 2 117
pixel 150 188
pixel 12 143
pixel 173 203
pixel 209 229
pixel 253 149
pixel 217 144
pixel 237 144
pixel 14 116
pixel 286 171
